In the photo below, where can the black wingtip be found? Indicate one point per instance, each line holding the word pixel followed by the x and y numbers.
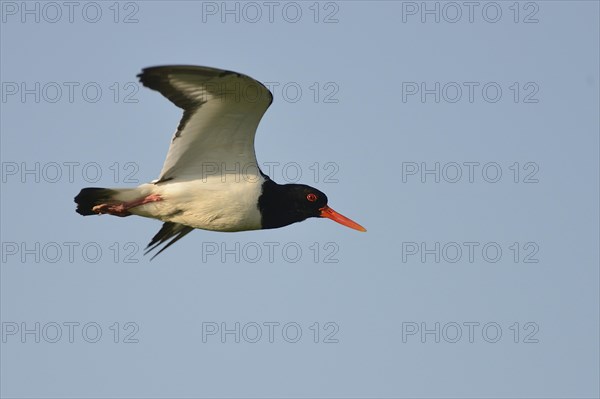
pixel 173 231
pixel 158 78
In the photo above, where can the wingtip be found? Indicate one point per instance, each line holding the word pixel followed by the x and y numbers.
pixel 169 233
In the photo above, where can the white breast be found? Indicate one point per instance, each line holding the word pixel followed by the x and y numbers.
pixel 210 204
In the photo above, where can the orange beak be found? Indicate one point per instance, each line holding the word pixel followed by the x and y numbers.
pixel 327 212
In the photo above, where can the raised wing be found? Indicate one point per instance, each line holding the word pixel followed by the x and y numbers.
pixel 222 110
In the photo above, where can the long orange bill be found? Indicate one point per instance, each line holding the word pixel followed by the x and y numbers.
pixel 327 212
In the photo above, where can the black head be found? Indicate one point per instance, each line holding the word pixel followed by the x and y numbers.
pixel 281 205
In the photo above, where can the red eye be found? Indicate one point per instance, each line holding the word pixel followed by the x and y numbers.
pixel 311 197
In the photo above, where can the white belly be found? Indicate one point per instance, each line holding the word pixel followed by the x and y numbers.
pixel 209 205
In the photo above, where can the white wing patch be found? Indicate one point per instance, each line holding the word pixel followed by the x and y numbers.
pixel 222 111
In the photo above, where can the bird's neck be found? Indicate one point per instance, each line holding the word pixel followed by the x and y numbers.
pixel 275 206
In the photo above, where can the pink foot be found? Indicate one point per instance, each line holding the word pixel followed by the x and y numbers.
pixel 111 209
pixel 122 209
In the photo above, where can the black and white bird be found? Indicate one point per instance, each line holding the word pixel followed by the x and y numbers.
pixel 211 179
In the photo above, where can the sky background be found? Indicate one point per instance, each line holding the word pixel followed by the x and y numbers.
pixel 467 146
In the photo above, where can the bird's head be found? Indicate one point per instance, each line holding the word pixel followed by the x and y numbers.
pixel 290 203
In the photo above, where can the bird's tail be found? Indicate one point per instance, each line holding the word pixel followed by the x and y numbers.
pixel 91 197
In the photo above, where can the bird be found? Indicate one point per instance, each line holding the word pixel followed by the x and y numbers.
pixel 210 178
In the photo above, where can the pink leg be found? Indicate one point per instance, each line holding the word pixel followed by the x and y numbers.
pixel 122 208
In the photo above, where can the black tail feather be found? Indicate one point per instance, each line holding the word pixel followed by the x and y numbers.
pixel 168 230
pixel 90 197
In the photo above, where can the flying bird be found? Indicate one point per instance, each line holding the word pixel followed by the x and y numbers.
pixel 210 179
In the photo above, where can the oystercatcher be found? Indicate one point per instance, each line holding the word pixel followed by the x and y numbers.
pixel 210 179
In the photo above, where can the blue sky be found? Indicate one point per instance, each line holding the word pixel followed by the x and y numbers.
pixel 464 138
